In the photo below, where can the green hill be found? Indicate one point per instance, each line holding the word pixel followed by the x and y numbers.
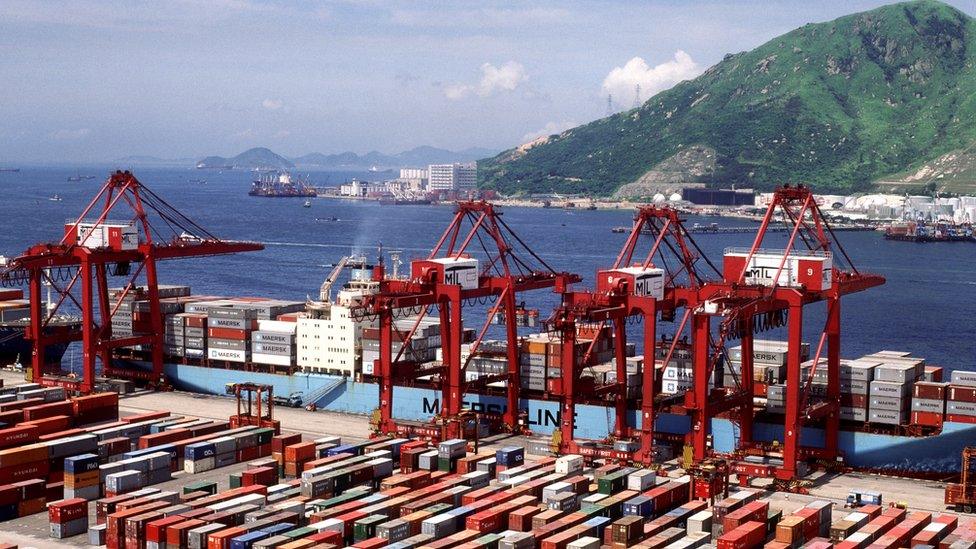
pixel 836 105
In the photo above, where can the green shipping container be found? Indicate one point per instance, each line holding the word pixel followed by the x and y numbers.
pixel 201 486
pixel 365 527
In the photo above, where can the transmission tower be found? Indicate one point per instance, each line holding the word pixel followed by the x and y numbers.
pixel 637 100
pixel 609 104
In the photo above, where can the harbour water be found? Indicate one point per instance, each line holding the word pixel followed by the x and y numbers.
pixel 926 307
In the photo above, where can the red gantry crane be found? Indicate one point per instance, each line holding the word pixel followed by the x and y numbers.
pixel 501 267
pixel 669 277
pixel 774 286
pixel 95 247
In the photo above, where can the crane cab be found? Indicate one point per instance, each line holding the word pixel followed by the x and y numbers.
pixel 636 281
pixel 462 271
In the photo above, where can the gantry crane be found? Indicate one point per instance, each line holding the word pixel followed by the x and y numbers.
pixel 668 278
pixel 780 283
pixel 501 267
pixel 96 247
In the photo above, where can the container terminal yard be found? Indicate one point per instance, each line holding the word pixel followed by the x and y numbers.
pixel 564 437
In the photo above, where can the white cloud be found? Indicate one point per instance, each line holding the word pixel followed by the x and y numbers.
pixel 281 134
pixel 622 81
pixel 504 78
pixel 272 104
pixel 549 129
pixel 70 135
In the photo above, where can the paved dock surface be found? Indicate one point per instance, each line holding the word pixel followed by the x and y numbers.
pixel 32 531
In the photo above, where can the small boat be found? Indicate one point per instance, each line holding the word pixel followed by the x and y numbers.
pixel 55 198
pixel 79 177
pixel 307 204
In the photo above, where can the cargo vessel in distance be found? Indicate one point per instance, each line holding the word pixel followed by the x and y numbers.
pixel 281 185
pixel 921 231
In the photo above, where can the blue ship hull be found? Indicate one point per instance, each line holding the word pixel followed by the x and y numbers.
pixel 930 455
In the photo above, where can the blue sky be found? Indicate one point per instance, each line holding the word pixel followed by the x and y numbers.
pixel 95 81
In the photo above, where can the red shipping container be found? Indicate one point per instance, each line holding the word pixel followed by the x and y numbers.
pixel 749 535
pixel 55 424
pixel 956 418
pixel 371 543
pixel 754 511
pixel 279 442
pixel 62 434
pixel 147 416
pixel 348 520
pixel 20 404
pixel 327 536
pixel 928 419
pixel 194 320
pixel 957 392
pixel 227 333
pixel 63 408
pixel 176 533
pixel 11 418
pixel 156 530
pixel 25 471
pixel 811 522
pixel 6 294
pixel 934 373
pixel 302 451
pixel 162 437
pixel 853 401
pixel 67 510
pixel 871 511
pixel 18 436
pixel 221 538
pixel 929 390
pixel 259 475
pixel 520 519
pixel 493 519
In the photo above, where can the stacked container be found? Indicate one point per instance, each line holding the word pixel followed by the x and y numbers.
pixel 274 343
pixel 855 388
pixel 891 390
pixel 929 403
pixel 961 397
pixel 194 334
pixel 81 477
pixel 768 361
pixel 229 333
pixel 68 517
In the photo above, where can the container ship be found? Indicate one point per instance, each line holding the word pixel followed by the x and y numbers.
pixel 921 231
pixel 281 185
pixel 895 408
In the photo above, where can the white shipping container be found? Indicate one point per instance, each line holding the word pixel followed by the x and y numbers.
pixel 227 354
pixel 569 464
pixel 274 360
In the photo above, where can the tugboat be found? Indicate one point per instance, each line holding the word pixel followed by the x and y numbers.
pixel 307 204
pixel 55 198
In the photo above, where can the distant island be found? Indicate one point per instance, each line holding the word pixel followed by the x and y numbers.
pixel 264 158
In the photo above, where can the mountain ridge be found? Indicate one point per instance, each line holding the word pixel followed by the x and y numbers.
pixel 264 158
pixel 838 105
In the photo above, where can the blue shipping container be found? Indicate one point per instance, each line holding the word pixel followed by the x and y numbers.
pixel 510 456
pixel 245 541
pixel 199 450
pixel 639 506
pixel 81 464
pixel 278 528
